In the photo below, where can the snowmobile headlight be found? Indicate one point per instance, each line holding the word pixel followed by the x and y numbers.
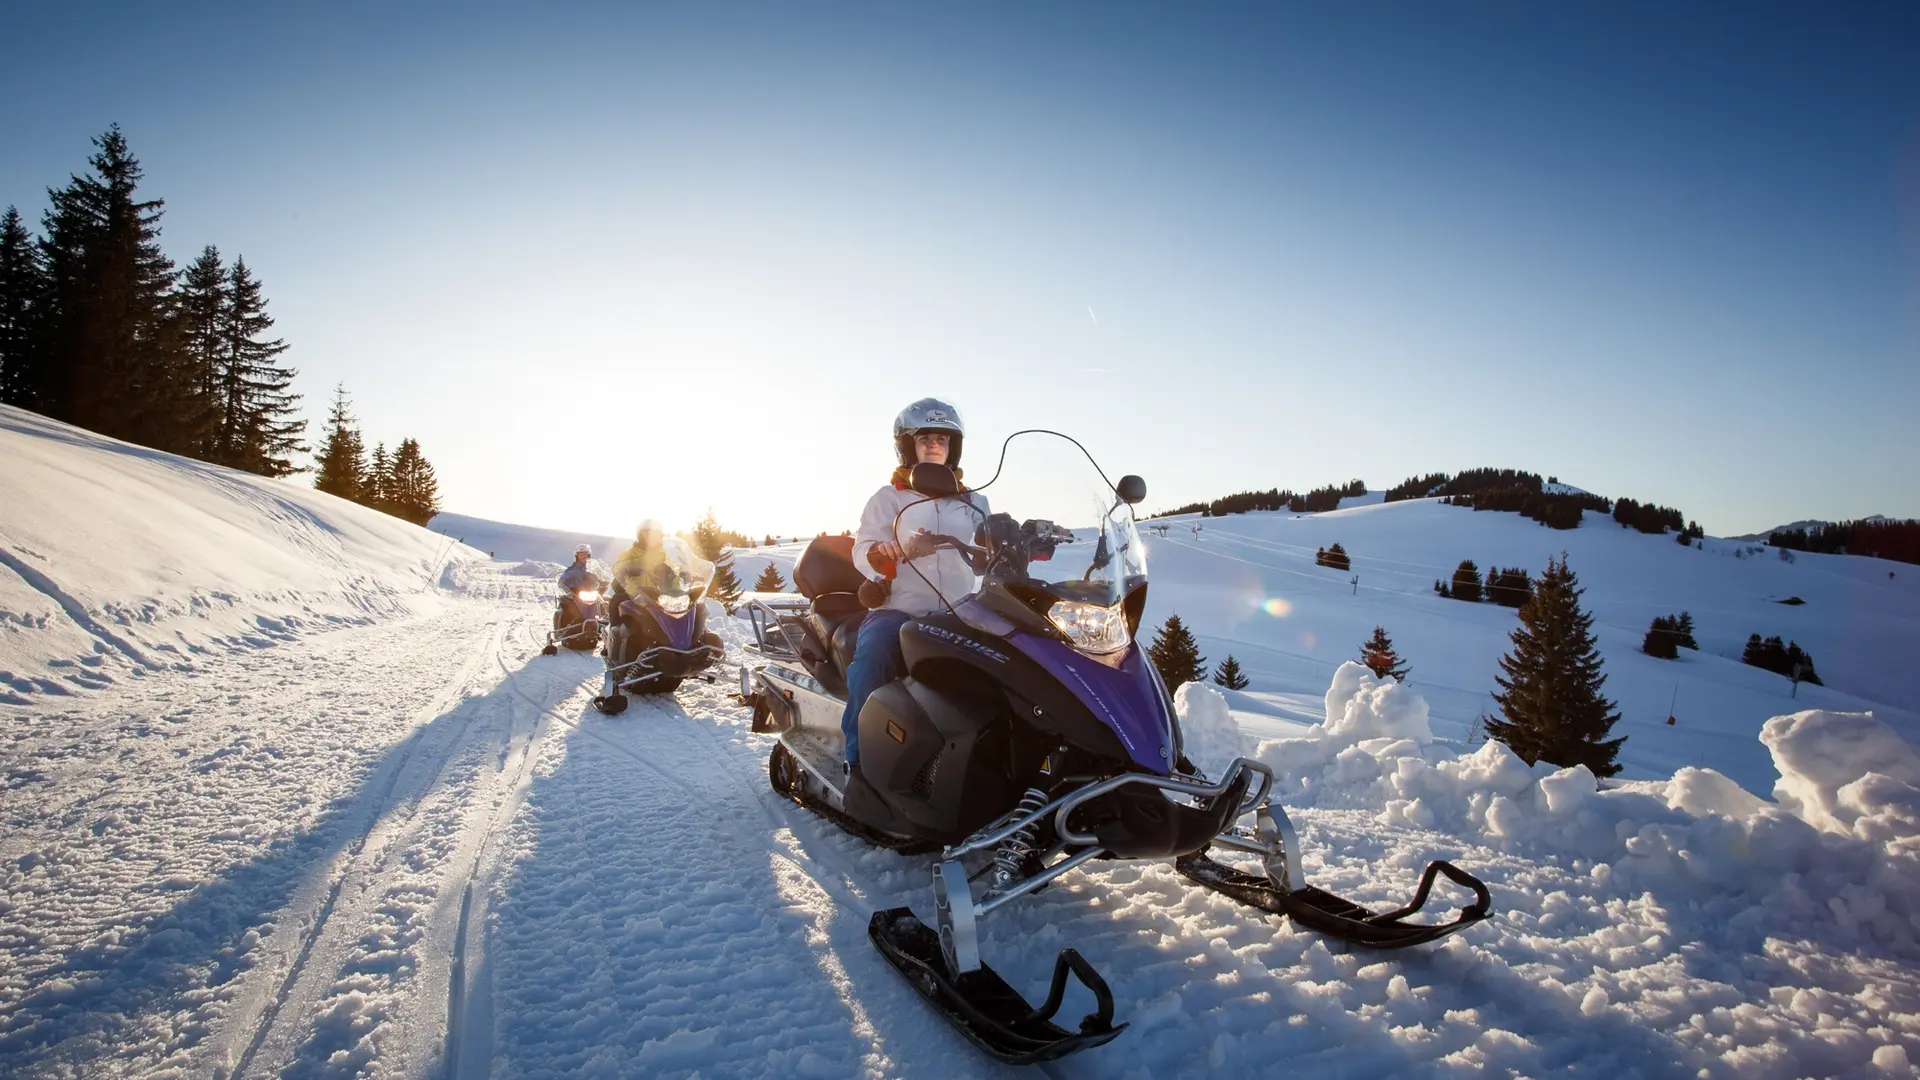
pixel 675 605
pixel 589 597
pixel 1092 628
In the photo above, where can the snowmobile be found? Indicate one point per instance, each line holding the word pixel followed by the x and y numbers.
pixel 1030 736
pixel 658 637
pixel 577 620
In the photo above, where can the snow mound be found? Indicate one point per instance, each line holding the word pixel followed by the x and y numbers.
pixel 1209 733
pixel 1361 705
pixel 535 568
pixel 116 559
pixel 1846 773
pixel 1838 857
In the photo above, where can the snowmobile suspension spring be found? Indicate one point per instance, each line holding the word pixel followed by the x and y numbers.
pixel 1015 848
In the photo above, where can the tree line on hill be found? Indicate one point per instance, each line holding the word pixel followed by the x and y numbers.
pixel 1316 501
pixel 401 483
pixel 99 328
pixel 1895 540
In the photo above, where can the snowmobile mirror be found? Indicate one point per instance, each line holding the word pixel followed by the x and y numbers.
pixel 933 481
pixel 1131 490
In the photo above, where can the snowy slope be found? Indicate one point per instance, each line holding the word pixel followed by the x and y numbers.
pixel 519 543
pixel 116 560
pixel 409 847
pixel 1247 585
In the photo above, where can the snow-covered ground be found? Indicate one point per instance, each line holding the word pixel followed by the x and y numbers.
pixel 401 843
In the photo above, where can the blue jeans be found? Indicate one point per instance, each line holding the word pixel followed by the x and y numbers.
pixel 876 662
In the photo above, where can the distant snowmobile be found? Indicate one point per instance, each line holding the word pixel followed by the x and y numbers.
pixel 577 618
pixel 1030 736
pixel 658 637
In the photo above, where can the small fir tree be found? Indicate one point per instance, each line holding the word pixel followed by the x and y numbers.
pixel 1551 701
pixel 1662 640
pixel 340 468
pixel 1683 631
pixel 1229 675
pixel 375 492
pixel 1466 582
pixel 1377 653
pixel 413 493
pixel 259 429
pixel 769 580
pixel 1335 557
pixel 725 586
pixel 1176 654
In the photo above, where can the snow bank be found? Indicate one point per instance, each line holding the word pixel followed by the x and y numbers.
pixel 535 568
pixel 1209 733
pixel 1839 854
pixel 119 560
pixel 1361 705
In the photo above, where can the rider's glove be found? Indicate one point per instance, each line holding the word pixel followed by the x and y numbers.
pixel 919 544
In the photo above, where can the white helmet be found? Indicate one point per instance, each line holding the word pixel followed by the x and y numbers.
pixel 927 414
pixel 583 549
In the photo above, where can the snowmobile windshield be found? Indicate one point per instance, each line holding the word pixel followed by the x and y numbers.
pixel 1059 538
pixel 680 578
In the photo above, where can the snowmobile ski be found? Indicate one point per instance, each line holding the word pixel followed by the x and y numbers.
pixel 980 1004
pixel 1323 912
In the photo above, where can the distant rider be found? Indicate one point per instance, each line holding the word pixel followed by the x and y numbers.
pixel 929 430
pixel 579 576
pixel 573 581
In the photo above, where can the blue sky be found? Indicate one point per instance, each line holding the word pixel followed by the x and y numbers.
pixel 628 260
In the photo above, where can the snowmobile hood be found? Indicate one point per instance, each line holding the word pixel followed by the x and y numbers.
pixel 1124 698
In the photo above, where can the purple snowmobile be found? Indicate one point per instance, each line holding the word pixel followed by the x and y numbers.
pixel 1031 735
pixel 658 638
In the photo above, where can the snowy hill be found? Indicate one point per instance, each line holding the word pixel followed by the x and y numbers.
pixel 389 839
pixel 1247 585
pixel 117 560
pixel 520 543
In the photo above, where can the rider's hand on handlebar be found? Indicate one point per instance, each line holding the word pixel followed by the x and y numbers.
pixel 921 543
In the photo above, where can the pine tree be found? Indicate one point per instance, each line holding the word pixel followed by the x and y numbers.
pixel 199 314
pixel 258 430
pixel 109 362
pixel 1335 557
pixel 1177 654
pixel 769 580
pixel 379 480
pixel 414 494
pixel 1683 631
pixel 1551 683
pixel 1229 675
pixel 1662 640
pixel 725 586
pixel 1377 653
pixel 340 467
pixel 1466 582
pixel 21 283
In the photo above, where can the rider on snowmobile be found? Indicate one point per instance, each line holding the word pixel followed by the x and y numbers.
pixel 929 430
pixel 578 576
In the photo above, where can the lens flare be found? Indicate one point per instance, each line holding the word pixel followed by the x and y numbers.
pixel 1278 607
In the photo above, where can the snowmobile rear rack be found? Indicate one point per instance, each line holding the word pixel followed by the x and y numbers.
pixel 981 1006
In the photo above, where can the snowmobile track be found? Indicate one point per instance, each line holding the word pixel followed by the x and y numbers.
pixel 358 863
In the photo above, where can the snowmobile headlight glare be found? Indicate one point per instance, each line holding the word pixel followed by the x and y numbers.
pixel 1092 628
pixel 589 597
pixel 674 605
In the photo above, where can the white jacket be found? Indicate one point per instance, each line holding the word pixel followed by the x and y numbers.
pixel 958 516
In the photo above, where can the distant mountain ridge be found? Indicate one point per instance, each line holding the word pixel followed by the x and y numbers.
pixel 1761 537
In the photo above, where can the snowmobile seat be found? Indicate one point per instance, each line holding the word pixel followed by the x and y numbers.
pixel 827 567
pixel 836 618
